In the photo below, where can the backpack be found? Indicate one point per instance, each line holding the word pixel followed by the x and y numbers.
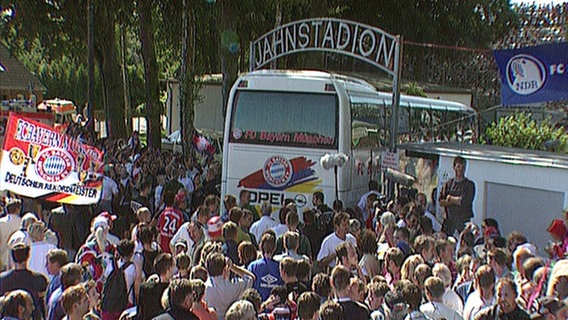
pixel 115 293
pixel 324 220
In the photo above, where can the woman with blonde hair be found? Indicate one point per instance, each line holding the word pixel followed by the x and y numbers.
pixel 386 224
pixel 96 254
pixel 409 266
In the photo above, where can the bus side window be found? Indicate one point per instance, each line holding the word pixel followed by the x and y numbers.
pixel 366 124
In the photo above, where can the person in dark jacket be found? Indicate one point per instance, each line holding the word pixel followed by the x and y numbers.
pixel 20 277
pixel 340 277
pixel 180 298
pixel 149 305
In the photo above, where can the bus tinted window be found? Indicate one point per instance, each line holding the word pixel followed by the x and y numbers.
pixel 285 119
pixel 369 125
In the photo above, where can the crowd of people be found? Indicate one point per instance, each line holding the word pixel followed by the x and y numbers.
pixel 539 24
pixel 161 244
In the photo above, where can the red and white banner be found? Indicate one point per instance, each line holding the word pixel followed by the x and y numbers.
pixel 40 162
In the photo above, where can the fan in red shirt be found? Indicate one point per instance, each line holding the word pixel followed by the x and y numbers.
pixel 169 222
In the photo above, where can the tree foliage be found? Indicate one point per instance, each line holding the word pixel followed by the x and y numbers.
pixel 153 110
pixel 51 37
pixel 519 130
pixel 473 23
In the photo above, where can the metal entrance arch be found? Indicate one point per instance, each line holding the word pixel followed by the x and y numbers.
pixel 350 38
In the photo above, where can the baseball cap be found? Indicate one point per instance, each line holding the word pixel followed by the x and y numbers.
pixel 214 226
pixel 529 246
pixel 181 242
pixel 99 221
pixel 20 246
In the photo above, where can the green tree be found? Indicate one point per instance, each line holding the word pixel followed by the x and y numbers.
pixel 187 73
pixel 151 74
pixel 60 28
pixel 106 53
pixel 217 40
pixel 519 130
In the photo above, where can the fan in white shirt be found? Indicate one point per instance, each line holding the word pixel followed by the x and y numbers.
pixel 265 222
pixel 8 225
pixel 435 308
pixel 326 256
pixel 39 248
pixel 484 294
pixel 450 297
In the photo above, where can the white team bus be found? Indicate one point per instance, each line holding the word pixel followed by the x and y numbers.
pixel 279 123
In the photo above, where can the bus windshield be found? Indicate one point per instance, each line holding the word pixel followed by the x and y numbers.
pixel 285 118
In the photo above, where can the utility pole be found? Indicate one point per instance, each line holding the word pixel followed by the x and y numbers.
pixel 395 107
pixel 91 67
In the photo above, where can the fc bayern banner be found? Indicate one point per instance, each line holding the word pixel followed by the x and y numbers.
pixel 533 74
pixel 40 162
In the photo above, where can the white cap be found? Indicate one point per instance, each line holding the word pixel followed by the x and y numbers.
pixel 100 222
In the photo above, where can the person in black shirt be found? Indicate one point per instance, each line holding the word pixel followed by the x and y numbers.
pixel 147 236
pixel 324 214
pixel 22 278
pixel 144 198
pixel 180 296
pixel 288 272
pixel 149 304
pixel 312 231
pixel 457 197
pixel 230 246
pixel 340 281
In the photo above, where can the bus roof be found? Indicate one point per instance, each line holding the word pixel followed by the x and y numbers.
pixel 359 90
pixel 407 101
pixel 57 106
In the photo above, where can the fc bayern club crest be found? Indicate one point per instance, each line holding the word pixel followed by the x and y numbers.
pixel 277 171
pixel 54 165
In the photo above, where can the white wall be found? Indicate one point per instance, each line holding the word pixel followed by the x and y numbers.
pixel 533 212
pixel 172 115
pixel 464 98
pixel 209 109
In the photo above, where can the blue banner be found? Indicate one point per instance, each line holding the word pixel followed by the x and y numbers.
pixel 533 74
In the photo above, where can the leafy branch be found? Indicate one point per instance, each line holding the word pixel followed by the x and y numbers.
pixel 519 130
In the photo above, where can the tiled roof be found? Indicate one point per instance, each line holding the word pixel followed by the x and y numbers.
pixel 14 75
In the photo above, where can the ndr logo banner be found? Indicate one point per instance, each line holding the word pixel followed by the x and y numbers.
pixel 533 74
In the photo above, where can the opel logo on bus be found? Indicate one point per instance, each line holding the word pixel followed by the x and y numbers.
pixel 277 171
pixel 300 200
pixel 525 74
